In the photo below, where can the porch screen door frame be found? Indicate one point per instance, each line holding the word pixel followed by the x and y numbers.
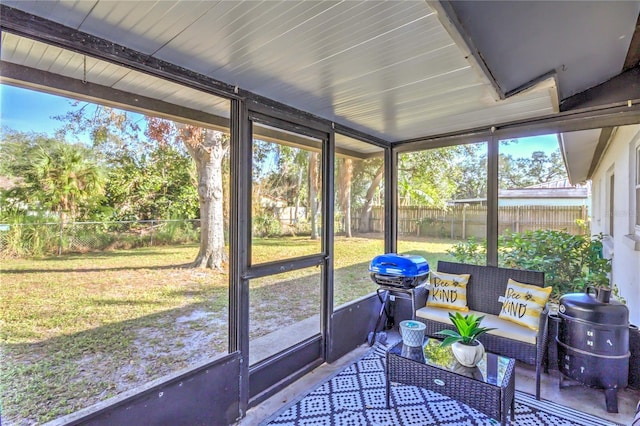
pixel 274 373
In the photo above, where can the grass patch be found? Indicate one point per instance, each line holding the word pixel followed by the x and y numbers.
pixel 81 328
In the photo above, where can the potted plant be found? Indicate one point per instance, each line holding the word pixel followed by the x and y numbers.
pixel 464 344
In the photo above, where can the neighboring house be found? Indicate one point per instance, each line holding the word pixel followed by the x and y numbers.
pixel 269 202
pixel 556 193
pixel 287 215
pixel 610 158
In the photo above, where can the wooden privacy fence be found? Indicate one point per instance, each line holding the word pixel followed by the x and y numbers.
pixel 461 222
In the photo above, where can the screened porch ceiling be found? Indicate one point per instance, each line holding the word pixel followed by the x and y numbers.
pixel 397 71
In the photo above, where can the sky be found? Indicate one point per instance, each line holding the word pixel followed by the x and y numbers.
pixel 30 111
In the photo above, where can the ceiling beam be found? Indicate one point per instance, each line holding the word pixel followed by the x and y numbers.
pixel 619 90
pixel 361 136
pixel 37 28
pixel 47 82
pixel 633 54
pixel 569 121
pixel 449 20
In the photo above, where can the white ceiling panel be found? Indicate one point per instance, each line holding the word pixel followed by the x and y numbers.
pixel 23 51
pixel 69 13
pixel 63 62
pixel 10 51
pixel 137 82
pixel 389 69
pixel 346 143
pixel 145 26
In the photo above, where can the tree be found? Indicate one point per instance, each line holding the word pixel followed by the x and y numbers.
pixel 118 136
pixel 157 185
pixel 523 172
pixel 512 172
pixel 314 190
pixel 113 133
pixel 68 178
pixel 54 175
pixel 345 176
pixel 207 148
pixel 368 176
pixel 428 178
pixel 472 180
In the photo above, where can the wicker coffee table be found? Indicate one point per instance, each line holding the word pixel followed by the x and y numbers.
pixel 489 387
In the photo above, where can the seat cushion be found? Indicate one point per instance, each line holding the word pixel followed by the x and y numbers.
pixel 503 328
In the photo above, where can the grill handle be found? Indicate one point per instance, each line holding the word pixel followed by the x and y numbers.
pixel 602 294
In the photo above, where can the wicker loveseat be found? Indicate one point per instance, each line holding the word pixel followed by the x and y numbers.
pixel 486 285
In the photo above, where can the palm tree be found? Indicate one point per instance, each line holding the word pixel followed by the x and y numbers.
pixel 65 178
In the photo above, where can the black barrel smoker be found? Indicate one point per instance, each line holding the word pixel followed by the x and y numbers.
pixel 398 274
pixel 593 342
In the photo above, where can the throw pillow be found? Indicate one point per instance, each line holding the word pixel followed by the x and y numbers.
pixel 523 303
pixel 448 291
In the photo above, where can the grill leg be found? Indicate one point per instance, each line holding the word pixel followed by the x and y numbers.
pixel 390 312
pixel 372 340
pixel 412 292
pixel 611 399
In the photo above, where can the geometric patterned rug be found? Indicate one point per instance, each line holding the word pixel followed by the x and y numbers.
pixel 355 396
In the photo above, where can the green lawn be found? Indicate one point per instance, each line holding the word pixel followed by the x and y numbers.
pixel 78 329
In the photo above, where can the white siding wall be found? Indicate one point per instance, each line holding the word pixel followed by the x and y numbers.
pixel 626 259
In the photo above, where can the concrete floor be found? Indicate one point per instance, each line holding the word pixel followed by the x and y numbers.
pixel 577 397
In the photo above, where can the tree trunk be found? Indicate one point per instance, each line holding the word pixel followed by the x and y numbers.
pixel 313 193
pixel 208 148
pixel 365 215
pixel 297 209
pixel 344 193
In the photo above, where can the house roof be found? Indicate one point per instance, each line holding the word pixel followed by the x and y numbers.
pixel 575 192
pixel 395 71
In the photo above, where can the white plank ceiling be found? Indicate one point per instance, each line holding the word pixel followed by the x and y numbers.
pixel 389 69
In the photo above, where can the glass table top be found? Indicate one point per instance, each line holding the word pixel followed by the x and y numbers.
pixel 491 369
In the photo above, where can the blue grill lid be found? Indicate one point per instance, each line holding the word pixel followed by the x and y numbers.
pixel 405 265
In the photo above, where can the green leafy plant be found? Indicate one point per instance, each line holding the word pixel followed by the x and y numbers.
pixel 472 251
pixel 570 262
pixel 468 329
pixel 266 225
pixel 615 291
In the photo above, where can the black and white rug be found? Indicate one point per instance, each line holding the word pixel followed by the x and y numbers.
pixel 355 396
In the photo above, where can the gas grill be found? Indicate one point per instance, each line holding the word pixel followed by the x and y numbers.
pixel 399 270
pixel 396 275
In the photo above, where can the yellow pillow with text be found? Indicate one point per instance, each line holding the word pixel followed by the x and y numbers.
pixel 523 303
pixel 448 291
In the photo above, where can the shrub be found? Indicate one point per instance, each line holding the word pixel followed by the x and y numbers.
pixel 570 262
pixel 176 232
pixel 470 251
pixel 266 225
pixel 26 235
